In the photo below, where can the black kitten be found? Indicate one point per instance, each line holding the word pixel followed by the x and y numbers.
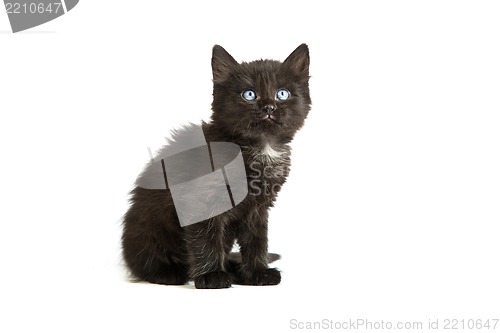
pixel 259 106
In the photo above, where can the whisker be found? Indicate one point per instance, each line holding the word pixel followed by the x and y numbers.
pixel 234 129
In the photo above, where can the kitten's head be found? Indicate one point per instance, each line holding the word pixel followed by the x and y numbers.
pixel 263 99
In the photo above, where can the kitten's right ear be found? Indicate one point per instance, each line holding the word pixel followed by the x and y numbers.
pixel 222 64
pixel 298 62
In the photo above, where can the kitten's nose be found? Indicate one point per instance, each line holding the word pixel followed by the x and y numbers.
pixel 269 108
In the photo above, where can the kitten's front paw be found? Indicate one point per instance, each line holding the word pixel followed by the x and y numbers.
pixel 268 277
pixel 213 280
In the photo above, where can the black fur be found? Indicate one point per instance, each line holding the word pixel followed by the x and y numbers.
pixel 158 250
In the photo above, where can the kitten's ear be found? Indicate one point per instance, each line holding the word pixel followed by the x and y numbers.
pixel 222 63
pixel 298 62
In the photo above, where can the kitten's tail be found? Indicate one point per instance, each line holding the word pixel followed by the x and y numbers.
pixel 235 257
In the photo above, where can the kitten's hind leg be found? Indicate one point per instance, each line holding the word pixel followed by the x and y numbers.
pixel 235 257
pixel 168 274
pixel 269 276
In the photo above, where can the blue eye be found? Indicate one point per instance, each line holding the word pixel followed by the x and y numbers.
pixel 249 95
pixel 282 94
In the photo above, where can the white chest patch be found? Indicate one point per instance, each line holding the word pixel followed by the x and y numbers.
pixel 270 153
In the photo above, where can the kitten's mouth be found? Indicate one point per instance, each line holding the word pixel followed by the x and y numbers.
pixel 268 121
pixel 269 118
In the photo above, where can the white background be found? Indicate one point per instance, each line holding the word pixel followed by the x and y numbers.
pixel 392 208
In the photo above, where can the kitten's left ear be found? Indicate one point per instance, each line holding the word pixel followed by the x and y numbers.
pixel 222 64
pixel 298 62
